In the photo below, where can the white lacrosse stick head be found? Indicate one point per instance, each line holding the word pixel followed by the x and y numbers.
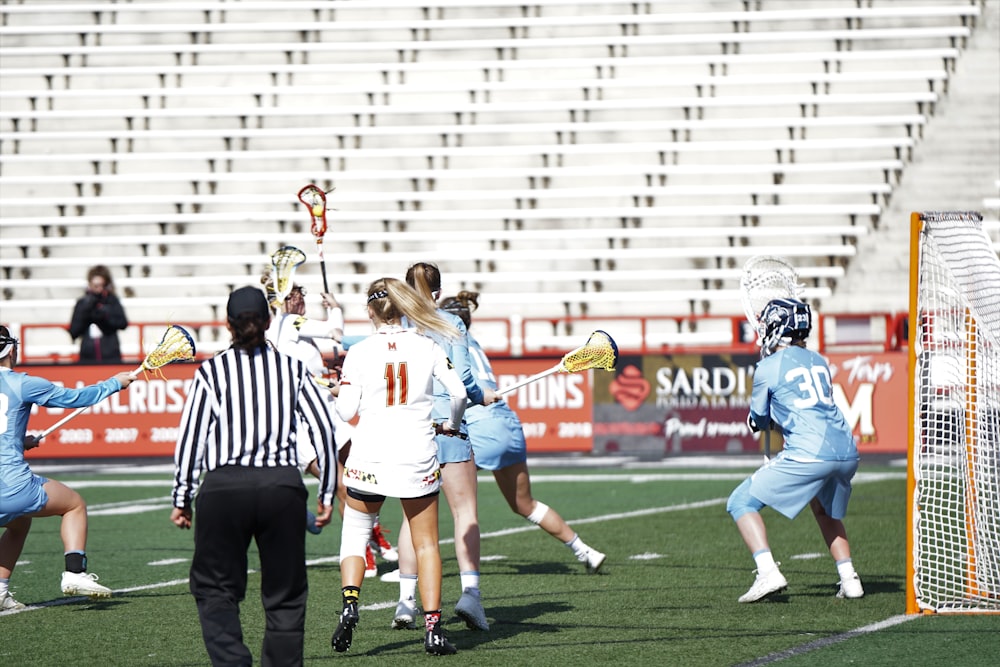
pixel 285 261
pixel 766 278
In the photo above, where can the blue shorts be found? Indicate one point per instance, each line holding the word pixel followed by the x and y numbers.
pixel 498 441
pixel 453 449
pixel 28 499
pixel 787 486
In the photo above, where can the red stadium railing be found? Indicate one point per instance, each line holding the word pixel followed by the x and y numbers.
pixel 529 337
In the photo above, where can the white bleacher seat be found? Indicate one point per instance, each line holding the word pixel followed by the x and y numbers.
pixel 954 36
pixel 551 143
pixel 469 113
pixel 693 66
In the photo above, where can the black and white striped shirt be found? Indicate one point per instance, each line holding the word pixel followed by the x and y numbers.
pixel 249 409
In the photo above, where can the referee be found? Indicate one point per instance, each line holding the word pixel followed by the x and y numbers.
pixel 245 411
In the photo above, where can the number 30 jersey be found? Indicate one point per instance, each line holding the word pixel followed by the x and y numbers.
pixel 793 389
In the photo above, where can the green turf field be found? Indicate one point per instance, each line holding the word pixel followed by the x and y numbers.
pixel 666 595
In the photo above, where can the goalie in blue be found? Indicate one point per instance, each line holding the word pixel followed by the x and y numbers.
pixel 793 393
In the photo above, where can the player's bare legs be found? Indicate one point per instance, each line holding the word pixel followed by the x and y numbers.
pixel 459 483
pixel 422 519
pixel 515 485
pixel 12 544
pixel 835 535
pixel 67 503
pixel 753 532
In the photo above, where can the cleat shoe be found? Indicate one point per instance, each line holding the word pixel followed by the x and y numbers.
pixel 371 569
pixel 379 542
pixel 342 636
pixel 391 577
pixel 83 583
pixel 8 603
pixel 470 610
pixel 764 585
pixel 435 642
pixel 311 524
pixel 851 588
pixel 406 615
pixel 593 559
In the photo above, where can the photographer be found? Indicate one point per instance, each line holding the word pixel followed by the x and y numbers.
pixel 97 318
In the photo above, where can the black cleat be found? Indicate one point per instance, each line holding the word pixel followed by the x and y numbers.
pixel 342 636
pixel 435 642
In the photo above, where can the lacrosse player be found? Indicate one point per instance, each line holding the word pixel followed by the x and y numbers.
pixel 793 392
pixel 498 444
pixel 458 472
pixel 387 382
pixel 24 495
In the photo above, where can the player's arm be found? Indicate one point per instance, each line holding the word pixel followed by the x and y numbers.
pixel 760 400
pixel 456 388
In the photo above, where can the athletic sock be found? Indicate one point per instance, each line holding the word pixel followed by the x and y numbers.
pixel 407 586
pixel 431 618
pixel 350 594
pixel 846 569
pixel 578 546
pixel 4 586
pixel 76 561
pixel 469 579
pixel 765 561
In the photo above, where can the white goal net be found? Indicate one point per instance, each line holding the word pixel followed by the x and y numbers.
pixel 954 458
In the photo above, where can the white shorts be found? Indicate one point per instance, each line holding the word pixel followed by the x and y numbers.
pixel 391 479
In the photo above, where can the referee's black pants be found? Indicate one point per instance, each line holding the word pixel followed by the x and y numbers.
pixel 236 504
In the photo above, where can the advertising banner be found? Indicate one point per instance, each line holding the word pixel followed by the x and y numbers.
pixel 655 406
pixel 557 411
pixel 651 406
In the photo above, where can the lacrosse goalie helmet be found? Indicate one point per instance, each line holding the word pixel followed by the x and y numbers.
pixel 783 321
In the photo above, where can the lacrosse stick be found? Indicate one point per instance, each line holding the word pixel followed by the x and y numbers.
pixel 284 260
pixel 599 351
pixel 315 200
pixel 764 279
pixel 176 345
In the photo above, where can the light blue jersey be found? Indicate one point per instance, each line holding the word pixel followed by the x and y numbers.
pixel 453 449
pixel 20 489
pixel 793 388
pixel 495 430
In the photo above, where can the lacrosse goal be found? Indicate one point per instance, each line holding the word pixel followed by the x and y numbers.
pixel 953 479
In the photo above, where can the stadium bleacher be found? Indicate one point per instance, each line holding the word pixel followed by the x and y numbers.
pixel 498 137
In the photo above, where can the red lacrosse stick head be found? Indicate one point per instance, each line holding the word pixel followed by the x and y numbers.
pixel 315 200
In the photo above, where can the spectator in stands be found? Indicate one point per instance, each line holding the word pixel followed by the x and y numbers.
pixel 793 390
pixel 23 494
pixel 97 319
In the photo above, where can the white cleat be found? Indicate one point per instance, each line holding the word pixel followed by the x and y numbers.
pixel 764 585
pixel 593 559
pixel 851 588
pixel 470 610
pixel 83 583
pixel 406 615
pixel 8 603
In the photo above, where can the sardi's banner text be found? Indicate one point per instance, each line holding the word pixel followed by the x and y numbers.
pixel 653 406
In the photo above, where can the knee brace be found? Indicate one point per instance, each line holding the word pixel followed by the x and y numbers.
pixel 740 501
pixel 356 531
pixel 538 513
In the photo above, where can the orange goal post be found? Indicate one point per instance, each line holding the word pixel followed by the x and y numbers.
pixel 953 478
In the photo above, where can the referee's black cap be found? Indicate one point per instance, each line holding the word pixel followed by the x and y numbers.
pixel 248 300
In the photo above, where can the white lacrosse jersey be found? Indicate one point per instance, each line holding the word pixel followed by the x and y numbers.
pixel 293 334
pixel 387 380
